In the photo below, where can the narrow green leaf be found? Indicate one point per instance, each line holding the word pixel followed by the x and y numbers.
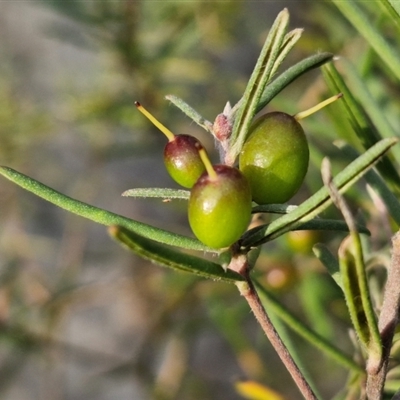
pixel 316 224
pixel 367 29
pixel 99 215
pixel 171 258
pixel 290 40
pixel 367 101
pixel 190 112
pixel 378 184
pixel 160 193
pixel 306 333
pixel 361 123
pixel 293 349
pixel 287 77
pixel 392 386
pixel 353 292
pixel 329 261
pixel 354 112
pixel 290 75
pixel 393 9
pixel 321 199
pixel 257 82
pixel 395 4
pixel 354 277
pixel 313 293
pixel 273 209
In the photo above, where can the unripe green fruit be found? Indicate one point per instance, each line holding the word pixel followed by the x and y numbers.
pixel 220 207
pixel 275 158
pixel 182 160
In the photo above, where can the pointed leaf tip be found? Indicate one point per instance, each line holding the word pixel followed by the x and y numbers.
pixel 169 257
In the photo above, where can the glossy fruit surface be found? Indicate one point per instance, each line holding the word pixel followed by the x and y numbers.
pixel 275 158
pixel 182 160
pixel 220 209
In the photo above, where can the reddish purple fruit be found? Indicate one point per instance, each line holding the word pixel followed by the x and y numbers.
pixel 181 154
pixel 182 160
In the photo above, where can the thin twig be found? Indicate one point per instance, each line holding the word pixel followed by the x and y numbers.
pixel 387 320
pixel 247 290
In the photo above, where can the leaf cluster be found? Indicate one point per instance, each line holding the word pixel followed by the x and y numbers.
pixel 369 147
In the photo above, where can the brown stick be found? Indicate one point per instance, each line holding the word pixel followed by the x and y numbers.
pixel 247 290
pixel 387 321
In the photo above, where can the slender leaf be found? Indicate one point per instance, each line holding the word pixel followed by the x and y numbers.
pixel 293 349
pixel 306 333
pixel 395 4
pixel 329 261
pixel 352 292
pixel 171 258
pixel 378 184
pixel 367 29
pixel 321 199
pixel 273 208
pixel 353 110
pixel 367 101
pixel 287 77
pixel 393 9
pixel 290 75
pixel 99 215
pixel 392 386
pixel 289 41
pixel 354 278
pixel 190 112
pixel 161 193
pixel 318 224
pixel 362 125
pixel 257 82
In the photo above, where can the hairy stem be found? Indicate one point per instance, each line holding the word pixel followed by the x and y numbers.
pixel 247 290
pixel 387 321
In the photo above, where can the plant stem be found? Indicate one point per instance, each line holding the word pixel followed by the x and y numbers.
pixel 387 321
pixel 307 334
pixel 247 290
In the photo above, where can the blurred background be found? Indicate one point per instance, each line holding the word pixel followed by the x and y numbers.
pixel 80 317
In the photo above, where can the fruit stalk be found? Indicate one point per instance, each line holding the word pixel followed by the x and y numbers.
pixel 319 106
pixel 181 153
pixel 170 136
pixel 212 175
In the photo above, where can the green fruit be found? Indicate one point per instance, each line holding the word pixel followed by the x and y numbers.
pixel 220 207
pixel 182 160
pixel 275 158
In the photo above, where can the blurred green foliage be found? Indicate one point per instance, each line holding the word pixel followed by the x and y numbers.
pixel 81 319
